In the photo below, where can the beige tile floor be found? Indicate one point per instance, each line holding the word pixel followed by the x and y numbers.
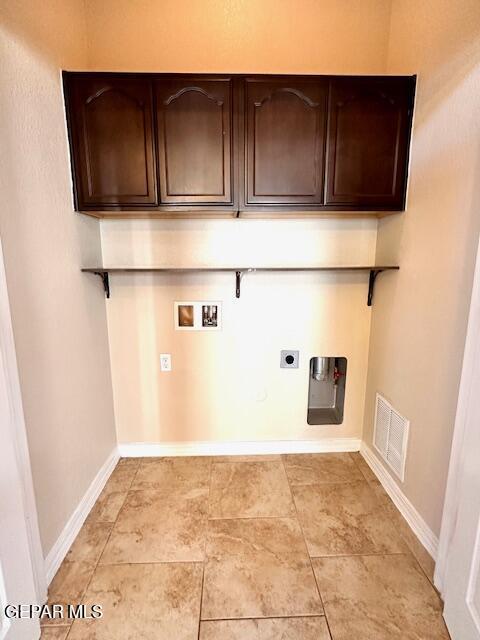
pixel 296 547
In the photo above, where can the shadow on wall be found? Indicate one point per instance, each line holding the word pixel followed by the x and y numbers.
pixel 58 315
pixel 419 321
pixel 446 58
pixel 51 31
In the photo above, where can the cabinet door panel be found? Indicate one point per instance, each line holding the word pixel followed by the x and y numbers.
pixel 112 134
pixel 368 137
pixel 285 130
pixel 195 140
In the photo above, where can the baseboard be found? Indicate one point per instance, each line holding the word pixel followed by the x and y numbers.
pixel 60 549
pixel 415 521
pixel 217 448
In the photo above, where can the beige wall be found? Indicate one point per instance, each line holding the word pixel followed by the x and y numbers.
pixel 420 314
pixel 284 36
pixel 58 314
pixel 228 385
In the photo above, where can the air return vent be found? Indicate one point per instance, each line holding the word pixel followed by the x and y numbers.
pixel 391 435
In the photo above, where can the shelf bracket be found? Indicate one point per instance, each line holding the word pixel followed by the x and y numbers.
pixel 238 279
pixel 105 280
pixel 371 284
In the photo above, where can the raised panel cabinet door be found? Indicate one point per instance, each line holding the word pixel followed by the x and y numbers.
pixel 284 140
pixel 368 138
pixel 194 120
pixel 111 129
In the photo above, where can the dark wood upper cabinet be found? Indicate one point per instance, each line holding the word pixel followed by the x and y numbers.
pixel 185 144
pixel 284 140
pixel 111 132
pixel 194 133
pixel 367 141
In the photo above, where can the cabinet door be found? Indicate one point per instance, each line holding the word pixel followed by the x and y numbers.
pixel 111 120
pixel 368 140
pixel 284 140
pixel 195 145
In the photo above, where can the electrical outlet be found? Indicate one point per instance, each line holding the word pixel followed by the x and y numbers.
pixel 165 362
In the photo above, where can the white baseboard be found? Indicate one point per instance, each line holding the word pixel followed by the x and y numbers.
pixel 417 524
pixel 217 448
pixel 60 549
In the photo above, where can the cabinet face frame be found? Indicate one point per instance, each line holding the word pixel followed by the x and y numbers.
pixel 73 91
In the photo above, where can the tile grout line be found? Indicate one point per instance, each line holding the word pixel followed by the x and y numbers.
pixel 201 601
pixel 299 616
pixel 207 520
pixel 323 606
pixel 372 554
pixel 107 540
pixel 353 555
pixel 143 562
pixel 363 555
pixel 259 517
pixel 306 547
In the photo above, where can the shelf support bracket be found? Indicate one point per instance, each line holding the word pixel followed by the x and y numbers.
pixel 371 284
pixel 238 279
pixel 105 280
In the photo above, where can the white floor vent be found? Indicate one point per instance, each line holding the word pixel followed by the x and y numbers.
pixel 391 435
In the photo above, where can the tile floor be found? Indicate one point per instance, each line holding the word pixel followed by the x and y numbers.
pixel 296 547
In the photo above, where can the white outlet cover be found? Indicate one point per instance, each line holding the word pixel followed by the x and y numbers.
pixel 165 362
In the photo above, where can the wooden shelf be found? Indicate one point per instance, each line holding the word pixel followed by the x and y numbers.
pixel 372 270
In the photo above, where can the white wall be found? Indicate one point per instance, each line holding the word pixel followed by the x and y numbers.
pixel 58 313
pixel 420 314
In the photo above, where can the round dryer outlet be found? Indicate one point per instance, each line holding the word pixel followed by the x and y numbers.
pixel 289 359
